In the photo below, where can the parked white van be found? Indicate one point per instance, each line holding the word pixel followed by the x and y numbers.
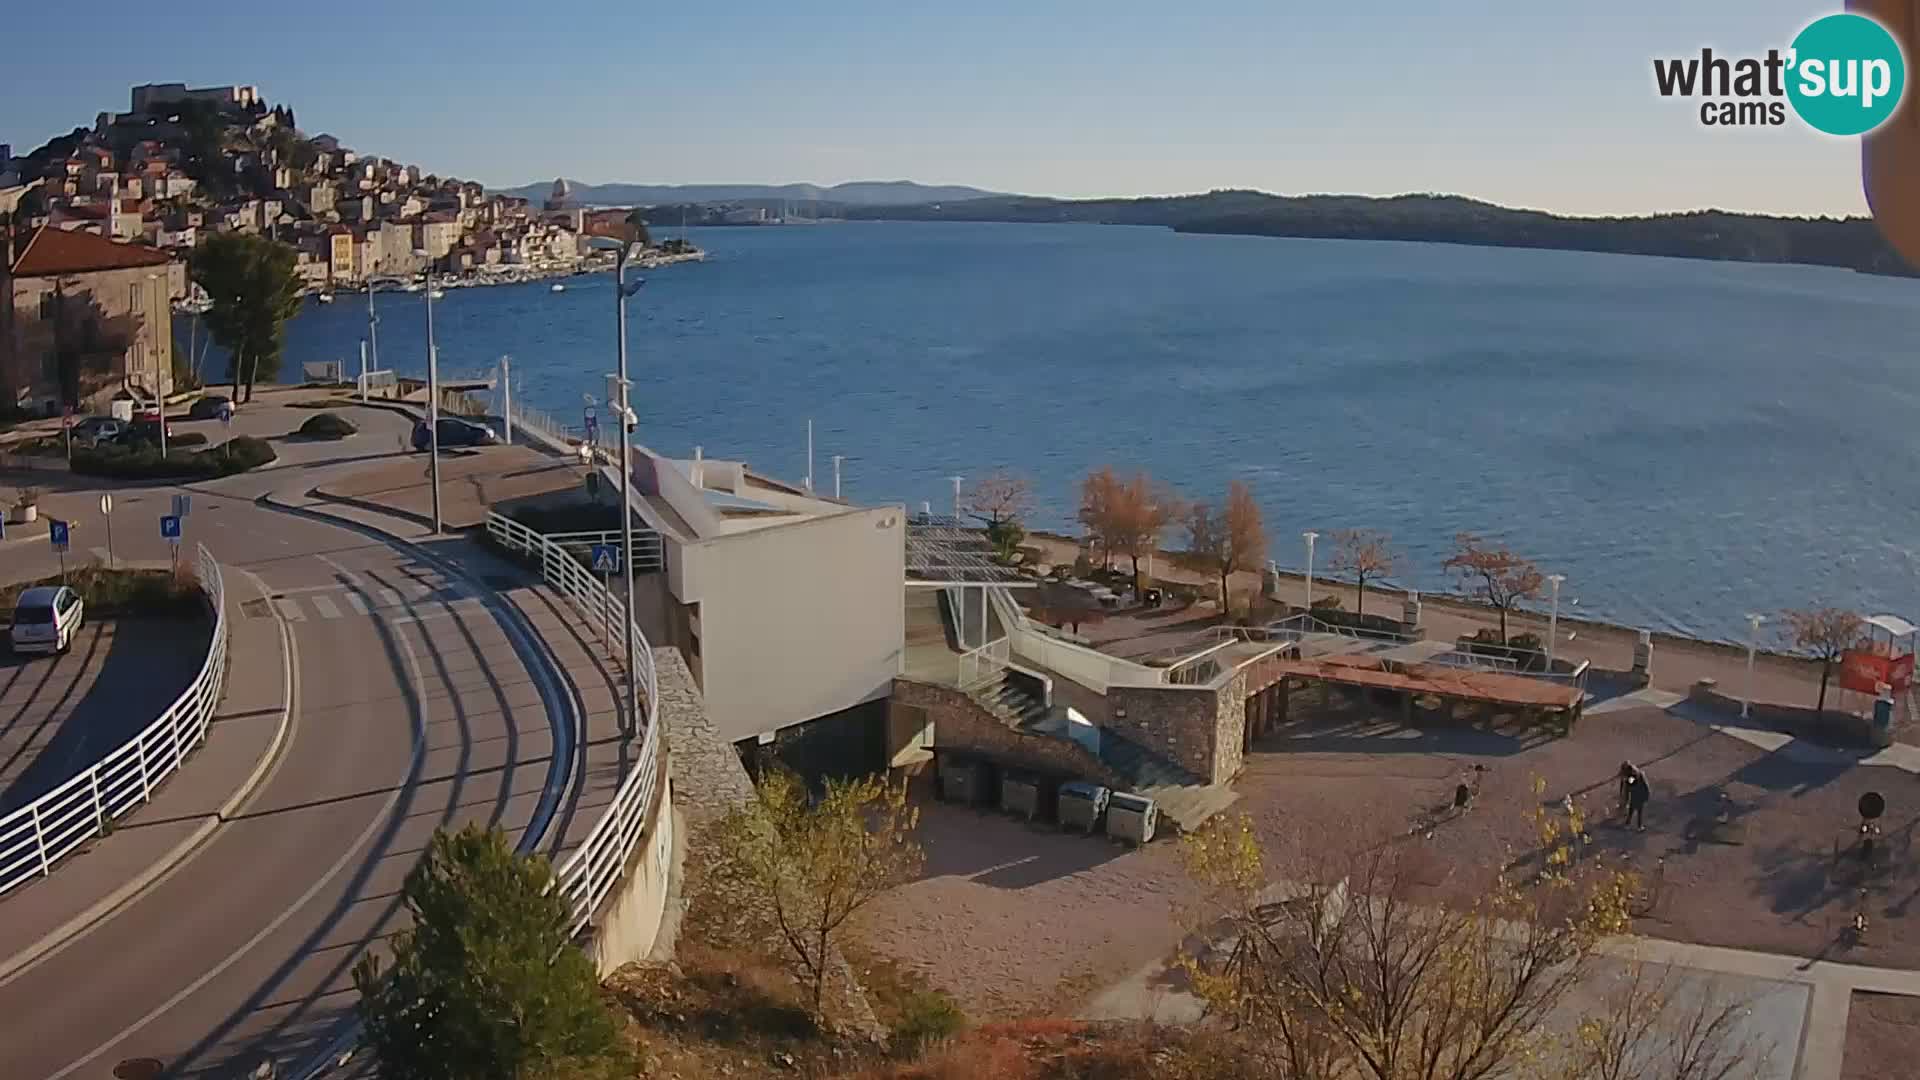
pixel 46 618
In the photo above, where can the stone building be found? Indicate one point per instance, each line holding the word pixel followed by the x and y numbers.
pixel 83 317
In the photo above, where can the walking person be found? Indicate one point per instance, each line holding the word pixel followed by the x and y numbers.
pixel 1637 794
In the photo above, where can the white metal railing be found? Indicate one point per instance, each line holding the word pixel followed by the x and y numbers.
pixel 648 553
pixel 586 876
pixel 984 664
pixel 41 833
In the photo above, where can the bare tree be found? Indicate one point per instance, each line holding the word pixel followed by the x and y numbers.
pixel 1347 971
pixel 1365 554
pixel 1494 574
pixel 1229 539
pixel 1827 633
pixel 1657 1024
pixel 1001 499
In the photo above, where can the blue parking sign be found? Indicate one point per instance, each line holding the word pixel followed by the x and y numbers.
pixel 170 527
pixel 57 532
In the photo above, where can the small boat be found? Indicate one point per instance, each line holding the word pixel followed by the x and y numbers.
pixel 413 286
pixel 557 287
pixel 436 294
pixel 325 298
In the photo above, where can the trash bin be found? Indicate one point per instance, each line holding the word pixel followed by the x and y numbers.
pixel 1132 818
pixel 964 779
pixel 1081 806
pixel 1020 794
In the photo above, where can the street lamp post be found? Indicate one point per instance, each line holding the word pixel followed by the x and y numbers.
pixel 837 458
pixel 1310 536
pixel 1753 641
pixel 1553 619
pixel 620 293
pixel 956 498
pixel 433 408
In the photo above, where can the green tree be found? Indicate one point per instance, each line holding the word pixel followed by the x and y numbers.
pixel 486 984
pixel 815 863
pixel 255 289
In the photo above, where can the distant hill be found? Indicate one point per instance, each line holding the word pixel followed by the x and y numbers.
pixel 854 193
pixel 1853 243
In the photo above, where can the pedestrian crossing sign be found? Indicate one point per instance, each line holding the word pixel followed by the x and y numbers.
pixel 606 558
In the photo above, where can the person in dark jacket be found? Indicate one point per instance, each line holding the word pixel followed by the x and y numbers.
pixel 1637 795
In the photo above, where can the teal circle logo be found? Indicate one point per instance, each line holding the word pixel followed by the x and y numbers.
pixel 1847 74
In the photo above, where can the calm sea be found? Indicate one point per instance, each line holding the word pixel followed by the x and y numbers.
pixel 1686 441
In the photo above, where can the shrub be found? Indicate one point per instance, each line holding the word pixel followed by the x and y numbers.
pixel 145 462
pixel 1326 603
pixel 112 593
pixel 1082 566
pixel 186 438
pixel 327 425
pixel 926 1016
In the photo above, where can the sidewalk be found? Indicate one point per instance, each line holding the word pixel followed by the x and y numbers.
pixel 241 747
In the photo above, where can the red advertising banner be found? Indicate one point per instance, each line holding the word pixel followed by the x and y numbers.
pixel 1866 670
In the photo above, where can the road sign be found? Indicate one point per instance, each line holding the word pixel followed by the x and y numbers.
pixel 106 504
pixel 182 505
pixel 57 532
pixel 606 558
pixel 170 527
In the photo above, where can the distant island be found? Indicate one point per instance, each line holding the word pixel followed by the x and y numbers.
pixel 1851 243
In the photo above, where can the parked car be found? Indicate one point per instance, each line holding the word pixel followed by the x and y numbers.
pixel 98 429
pixel 46 618
pixel 209 407
pixel 454 432
pixel 143 432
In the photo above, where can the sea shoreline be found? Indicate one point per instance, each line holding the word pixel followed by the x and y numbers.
pixel 651 260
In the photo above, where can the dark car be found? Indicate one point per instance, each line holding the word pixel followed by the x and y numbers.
pixel 454 432
pixel 209 407
pixel 143 432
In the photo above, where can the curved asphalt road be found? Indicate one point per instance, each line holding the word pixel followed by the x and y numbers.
pixel 413 709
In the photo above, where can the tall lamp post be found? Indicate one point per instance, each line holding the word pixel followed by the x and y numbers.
pixel 433 408
pixel 956 498
pixel 1753 642
pixel 621 290
pixel 1553 619
pixel 1310 536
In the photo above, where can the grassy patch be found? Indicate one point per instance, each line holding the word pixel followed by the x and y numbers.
pixel 915 1013
pixel 116 593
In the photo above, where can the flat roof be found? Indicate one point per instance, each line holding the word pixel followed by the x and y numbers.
pixel 943 551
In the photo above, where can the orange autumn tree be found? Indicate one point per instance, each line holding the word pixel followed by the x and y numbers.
pixel 1494 574
pixel 1141 509
pixel 1099 492
pixel 1364 554
pixel 1228 538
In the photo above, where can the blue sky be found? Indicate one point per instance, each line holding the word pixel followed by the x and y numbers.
pixel 1526 104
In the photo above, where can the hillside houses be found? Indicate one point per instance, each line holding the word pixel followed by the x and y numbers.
pixel 184 162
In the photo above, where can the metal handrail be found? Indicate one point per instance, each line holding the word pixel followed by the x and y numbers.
pixel 41 833
pixel 648 552
pixel 586 876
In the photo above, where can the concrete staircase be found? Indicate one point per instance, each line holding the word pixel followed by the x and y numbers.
pixel 1183 797
pixel 1010 701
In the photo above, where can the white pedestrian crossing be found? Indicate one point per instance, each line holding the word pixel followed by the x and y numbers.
pixel 298 604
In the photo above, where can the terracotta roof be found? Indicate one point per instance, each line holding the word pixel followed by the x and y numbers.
pixel 52 251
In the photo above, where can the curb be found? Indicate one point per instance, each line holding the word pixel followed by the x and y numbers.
pixel 184 850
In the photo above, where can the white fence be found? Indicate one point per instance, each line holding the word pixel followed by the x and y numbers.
pixel 39 834
pixel 981 666
pixel 647 551
pixel 593 869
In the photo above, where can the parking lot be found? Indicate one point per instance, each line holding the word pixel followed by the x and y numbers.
pixel 59 714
